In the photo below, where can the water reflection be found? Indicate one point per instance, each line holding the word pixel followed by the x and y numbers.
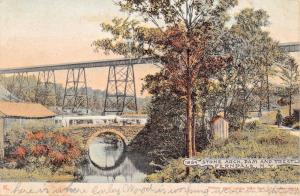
pixel 110 163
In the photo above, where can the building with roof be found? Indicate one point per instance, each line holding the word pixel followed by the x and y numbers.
pixel 20 113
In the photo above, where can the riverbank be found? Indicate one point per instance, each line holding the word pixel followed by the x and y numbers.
pixel 38 175
pixel 262 142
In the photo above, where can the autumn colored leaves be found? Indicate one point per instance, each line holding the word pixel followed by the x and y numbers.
pixel 56 148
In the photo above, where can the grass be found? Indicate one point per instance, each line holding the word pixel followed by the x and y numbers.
pixel 44 175
pixel 264 142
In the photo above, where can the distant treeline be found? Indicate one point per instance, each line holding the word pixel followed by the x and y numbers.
pixel 27 89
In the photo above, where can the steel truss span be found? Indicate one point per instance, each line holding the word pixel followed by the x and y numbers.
pixel 88 64
pixel 290 47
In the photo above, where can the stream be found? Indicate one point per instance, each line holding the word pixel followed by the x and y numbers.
pixel 110 162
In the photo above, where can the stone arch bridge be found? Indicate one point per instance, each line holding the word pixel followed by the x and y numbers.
pixel 126 133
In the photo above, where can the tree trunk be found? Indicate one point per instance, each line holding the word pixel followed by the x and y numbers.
pixel 243 123
pixel 260 109
pixel 189 128
pixel 268 89
pixel 290 102
pixel 203 117
pixel 244 113
pixel 225 105
pixel 260 101
pixel 193 127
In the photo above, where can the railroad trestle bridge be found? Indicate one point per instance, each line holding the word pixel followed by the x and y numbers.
pixel 120 88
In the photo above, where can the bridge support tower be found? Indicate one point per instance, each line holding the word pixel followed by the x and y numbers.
pixel 76 94
pixel 46 90
pixel 120 90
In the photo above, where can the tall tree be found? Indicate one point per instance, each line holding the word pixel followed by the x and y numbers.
pixel 184 34
pixel 289 74
pixel 269 54
pixel 254 52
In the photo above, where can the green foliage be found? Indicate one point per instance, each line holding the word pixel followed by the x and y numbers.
pixel 254 51
pixel 289 74
pixel 264 142
pixel 166 126
pixel 283 174
pixel 166 113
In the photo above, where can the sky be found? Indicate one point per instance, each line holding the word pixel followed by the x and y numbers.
pixel 41 32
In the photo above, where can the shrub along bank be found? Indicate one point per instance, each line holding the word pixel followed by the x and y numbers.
pixel 46 155
pixel 263 142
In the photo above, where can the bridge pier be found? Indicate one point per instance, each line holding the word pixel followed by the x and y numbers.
pixel 76 95
pixel 46 91
pixel 19 82
pixel 28 89
pixel 120 90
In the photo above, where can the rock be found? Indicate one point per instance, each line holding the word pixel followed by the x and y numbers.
pixel 11 165
pixel 78 176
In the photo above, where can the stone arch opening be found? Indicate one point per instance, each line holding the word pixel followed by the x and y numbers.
pixel 118 134
pixel 108 131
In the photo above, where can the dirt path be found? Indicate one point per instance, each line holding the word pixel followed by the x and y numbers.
pixel 289 130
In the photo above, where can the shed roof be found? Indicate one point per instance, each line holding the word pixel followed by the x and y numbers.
pixel 217 117
pixel 24 110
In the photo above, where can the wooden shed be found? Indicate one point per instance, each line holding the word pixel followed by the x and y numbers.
pixel 12 112
pixel 219 127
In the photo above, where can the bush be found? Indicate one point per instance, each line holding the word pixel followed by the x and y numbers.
pixel 45 149
pixel 253 125
pixel 273 138
pixel 289 121
pixel 237 136
pixel 165 125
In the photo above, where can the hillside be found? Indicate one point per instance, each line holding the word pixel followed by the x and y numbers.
pixel 263 142
pixel 5 95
